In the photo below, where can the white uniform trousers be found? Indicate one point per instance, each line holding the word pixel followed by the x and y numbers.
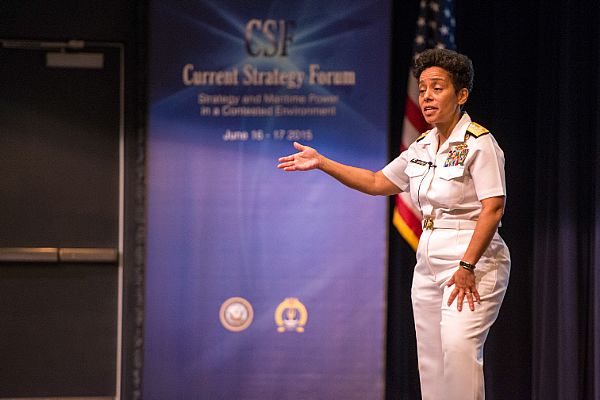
pixel 449 342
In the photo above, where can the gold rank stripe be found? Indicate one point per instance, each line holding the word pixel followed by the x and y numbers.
pixel 477 130
pixel 423 135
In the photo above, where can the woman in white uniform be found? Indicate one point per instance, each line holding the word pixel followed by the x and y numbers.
pixel 455 176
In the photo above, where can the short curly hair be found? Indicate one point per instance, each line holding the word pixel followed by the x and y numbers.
pixel 459 66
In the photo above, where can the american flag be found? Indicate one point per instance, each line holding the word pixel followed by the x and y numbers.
pixel 435 28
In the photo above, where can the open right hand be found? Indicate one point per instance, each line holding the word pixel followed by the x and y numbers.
pixel 306 159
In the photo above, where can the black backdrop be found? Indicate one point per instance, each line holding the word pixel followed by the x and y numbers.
pixel 500 39
pixel 536 88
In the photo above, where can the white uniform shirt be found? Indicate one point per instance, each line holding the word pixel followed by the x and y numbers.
pixel 449 182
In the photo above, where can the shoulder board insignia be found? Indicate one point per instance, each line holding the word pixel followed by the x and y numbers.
pixel 477 130
pixel 423 135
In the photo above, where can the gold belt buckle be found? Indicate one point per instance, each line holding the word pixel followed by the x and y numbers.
pixel 428 223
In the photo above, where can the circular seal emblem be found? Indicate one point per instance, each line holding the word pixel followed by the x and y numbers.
pixel 291 316
pixel 236 314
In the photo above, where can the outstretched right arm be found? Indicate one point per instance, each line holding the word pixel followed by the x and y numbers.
pixel 307 158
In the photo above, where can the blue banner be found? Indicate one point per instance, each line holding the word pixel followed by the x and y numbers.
pixel 263 284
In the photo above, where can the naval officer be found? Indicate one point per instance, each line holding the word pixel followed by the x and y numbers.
pixel 455 176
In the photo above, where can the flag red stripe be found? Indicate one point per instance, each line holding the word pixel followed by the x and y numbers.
pixel 405 231
pixel 410 219
pixel 413 114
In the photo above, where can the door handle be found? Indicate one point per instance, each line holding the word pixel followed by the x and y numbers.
pixel 88 255
pixel 29 254
pixel 59 255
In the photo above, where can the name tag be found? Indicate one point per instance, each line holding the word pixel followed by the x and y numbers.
pixel 417 161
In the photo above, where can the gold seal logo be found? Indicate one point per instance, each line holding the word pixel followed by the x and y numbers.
pixel 291 315
pixel 236 314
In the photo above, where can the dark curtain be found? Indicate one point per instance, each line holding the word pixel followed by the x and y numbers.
pixel 537 88
pixel 567 209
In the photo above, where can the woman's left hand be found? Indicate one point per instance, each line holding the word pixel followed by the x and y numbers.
pixel 464 282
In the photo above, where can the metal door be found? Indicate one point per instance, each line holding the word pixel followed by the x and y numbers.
pixel 61 219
